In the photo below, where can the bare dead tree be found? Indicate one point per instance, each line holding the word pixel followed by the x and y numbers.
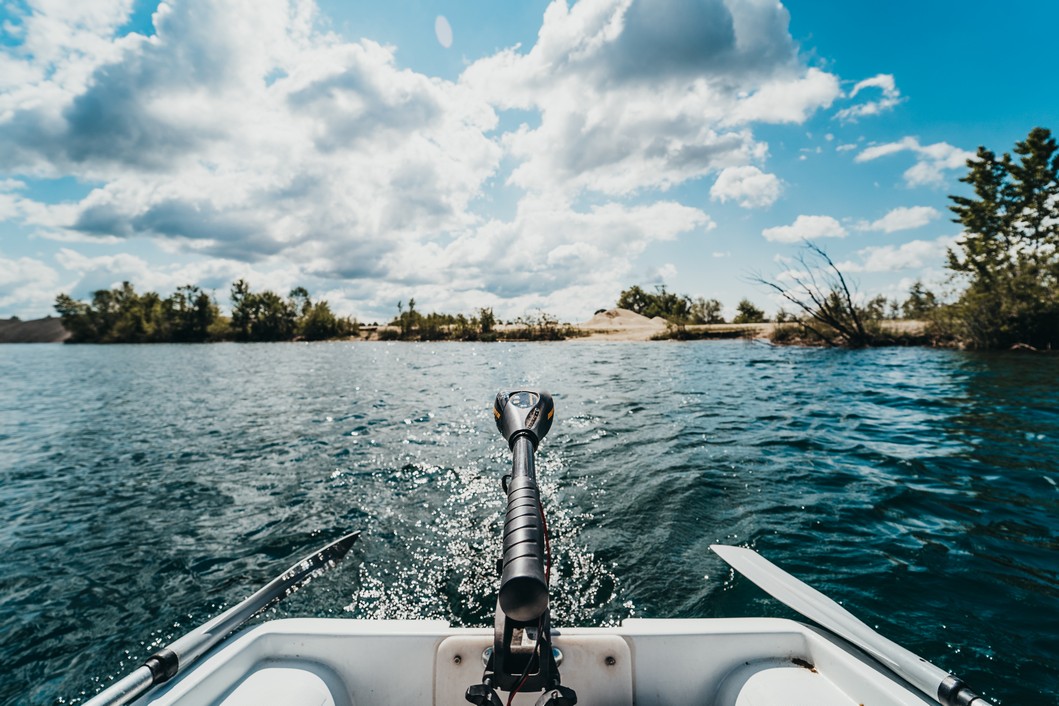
pixel 823 295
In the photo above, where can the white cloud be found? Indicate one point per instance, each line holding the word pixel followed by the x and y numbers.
pixel 27 284
pixel 570 248
pixel 89 273
pixel 57 45
pixel 932 161
pixel 240 132
pixel 793 275
pixel 805 228
pixel 9 206
pixel 244 138
pixel 902 218
pixel 663 273
pixel 122 264
pixel 628 103
pixel 748 185
pixel 787 99
pixel 910 255
pixel 935 279
pixel 890 98
pixel 876 151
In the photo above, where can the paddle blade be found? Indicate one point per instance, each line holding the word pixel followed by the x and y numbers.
pixel 316 563
pixel 931 680
pixel 800 596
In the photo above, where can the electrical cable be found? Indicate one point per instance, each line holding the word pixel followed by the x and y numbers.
pixel 529 663
pixel 547 546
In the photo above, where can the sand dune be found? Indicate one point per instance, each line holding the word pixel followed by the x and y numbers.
pixel 46 330
pixel 622 325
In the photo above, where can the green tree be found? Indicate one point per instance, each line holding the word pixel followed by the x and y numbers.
pixel 706 311
pixel 190 314
pixel 672 307
pixel 409 320
pixel 876 309
pixel 275 318
pixel 318 323
pixel 242 309
pixel 785 317
pixel 747 313
pixel 118 315
pixel 299 300
pixel 465 329
pixel 314 321
pixel 486 321
pixel 261 316
pixel 920 304
pixel 105 313
pixel 76 319
pixel 634 299
pixel 1009 252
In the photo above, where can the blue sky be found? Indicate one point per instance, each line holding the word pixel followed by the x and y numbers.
pixel 524 156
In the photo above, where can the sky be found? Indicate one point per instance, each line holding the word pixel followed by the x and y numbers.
pixel 530 157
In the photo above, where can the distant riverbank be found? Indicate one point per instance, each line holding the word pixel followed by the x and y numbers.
pixel 611 325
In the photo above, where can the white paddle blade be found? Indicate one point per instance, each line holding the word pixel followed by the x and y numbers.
pixel 822 610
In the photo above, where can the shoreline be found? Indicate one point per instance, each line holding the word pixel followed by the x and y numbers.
pixel 618 328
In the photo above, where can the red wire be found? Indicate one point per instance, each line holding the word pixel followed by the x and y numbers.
pixel 547 547
pixel 511 695
pixel 525 674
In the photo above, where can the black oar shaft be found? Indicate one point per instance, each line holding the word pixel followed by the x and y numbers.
pixel 184 651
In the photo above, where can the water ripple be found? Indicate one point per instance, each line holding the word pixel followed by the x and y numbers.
pixel 146 488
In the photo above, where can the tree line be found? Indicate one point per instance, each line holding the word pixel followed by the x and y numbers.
pixel 412 325
pixel 190 315
pixel 682 310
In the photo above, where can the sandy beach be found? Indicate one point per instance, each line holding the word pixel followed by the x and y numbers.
pixel 621 325
pixel 625 325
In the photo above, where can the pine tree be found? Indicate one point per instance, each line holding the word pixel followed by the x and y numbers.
pixel 1009 252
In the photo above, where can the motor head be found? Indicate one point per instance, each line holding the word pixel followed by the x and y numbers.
pixel 524 413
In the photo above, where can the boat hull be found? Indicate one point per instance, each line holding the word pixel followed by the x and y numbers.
pixel 724 662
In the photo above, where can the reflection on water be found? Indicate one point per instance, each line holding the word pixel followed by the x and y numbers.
pixel 144 488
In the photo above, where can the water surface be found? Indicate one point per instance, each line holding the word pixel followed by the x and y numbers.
pixel 144 488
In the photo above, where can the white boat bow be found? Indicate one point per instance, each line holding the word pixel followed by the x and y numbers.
pixel 718 661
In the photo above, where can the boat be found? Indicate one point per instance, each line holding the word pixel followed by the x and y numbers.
pixel 525 660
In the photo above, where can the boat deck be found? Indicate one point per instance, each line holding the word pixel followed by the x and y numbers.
pixel 720 662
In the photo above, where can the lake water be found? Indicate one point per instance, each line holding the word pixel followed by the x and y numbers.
pixel 144 488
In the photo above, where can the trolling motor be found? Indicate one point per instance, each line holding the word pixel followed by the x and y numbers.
pixel 522 659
